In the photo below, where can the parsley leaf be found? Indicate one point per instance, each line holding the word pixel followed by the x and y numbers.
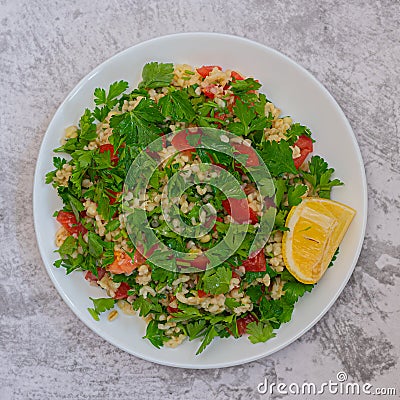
pixel 177 105
pixel 231 303
pixel 146 305
pixel 95 244
pixel 295 193
pixel 195 329
pixel 294 290
pixel 295 131
pixel 217 280
pixel 87 127
pixel 109 101
pixel 68 247
pixel 320 177
pixel 259 332
pixel 249 121
pixel 139 126
pixel 157 75
pixel 240 87
pixel 114 91
pixel 278 157
pixel 100 305
pixel 155 335
pixel 211 333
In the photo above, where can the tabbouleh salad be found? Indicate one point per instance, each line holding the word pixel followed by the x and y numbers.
pixel 248 294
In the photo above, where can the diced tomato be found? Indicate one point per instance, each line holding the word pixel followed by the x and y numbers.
pixel 236 76
pixel 235 275
pixel 252 159
pixel 180 142
pixel 243 322
pixel 256 263
pixel 138 258
pixel 209 91
pixel 219 219
pixel 68 221
pixel 90 276
pixel 112 195
pixel 220 116
pixel 205 70
pixel 305 144
pixel 109 147
pixel 200 262
pixel 240 211
pixel 253 216
pixel 172 310
pixel 201 293
pixel 122 263
pixel 122 291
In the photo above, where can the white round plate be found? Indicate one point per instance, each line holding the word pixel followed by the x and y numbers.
pixel 288 86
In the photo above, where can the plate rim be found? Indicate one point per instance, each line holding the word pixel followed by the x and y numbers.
pixel 333 102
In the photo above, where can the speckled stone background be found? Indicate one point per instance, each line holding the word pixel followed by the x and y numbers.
pixel 46 47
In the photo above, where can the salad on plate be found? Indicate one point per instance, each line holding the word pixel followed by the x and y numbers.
pixel 239 166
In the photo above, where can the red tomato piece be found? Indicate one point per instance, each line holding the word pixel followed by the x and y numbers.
pixel 221 117
pixel 138 258
pixel 68 221
pixel 256 263
pixel 252 159
pixel 180 141
pixel 90 276
pixel 112 195
pixel 122 263
pixel 236 76
pixel 122 291
pixel 205 70
pixel 109 147
pixel 235 275
pixel 243 322
pixel 209 91
pixel 201 293
pixel 172 310
pixel 240 211
pixel 200 262
pixel 305 144
pixel 219 219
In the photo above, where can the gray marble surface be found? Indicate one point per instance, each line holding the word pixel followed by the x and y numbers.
pixel 46 47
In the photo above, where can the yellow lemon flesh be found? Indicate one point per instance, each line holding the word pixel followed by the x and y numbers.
pixel 316 228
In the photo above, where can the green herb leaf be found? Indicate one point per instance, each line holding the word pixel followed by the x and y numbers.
pixel 211 333
pixel 319 176
pixel 294 290
pixel 100 305
pixel 95 244
pixel 155 335
pixel 240 87
pixel 69 246
pixel 139 126
pixel 177 105
pixel 217 280
pixel 278 157
pixel 157 75
pixel 196 328
pixel 295 193
pixel 259 332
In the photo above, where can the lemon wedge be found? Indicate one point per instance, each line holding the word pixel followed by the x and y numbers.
pixel 316 228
